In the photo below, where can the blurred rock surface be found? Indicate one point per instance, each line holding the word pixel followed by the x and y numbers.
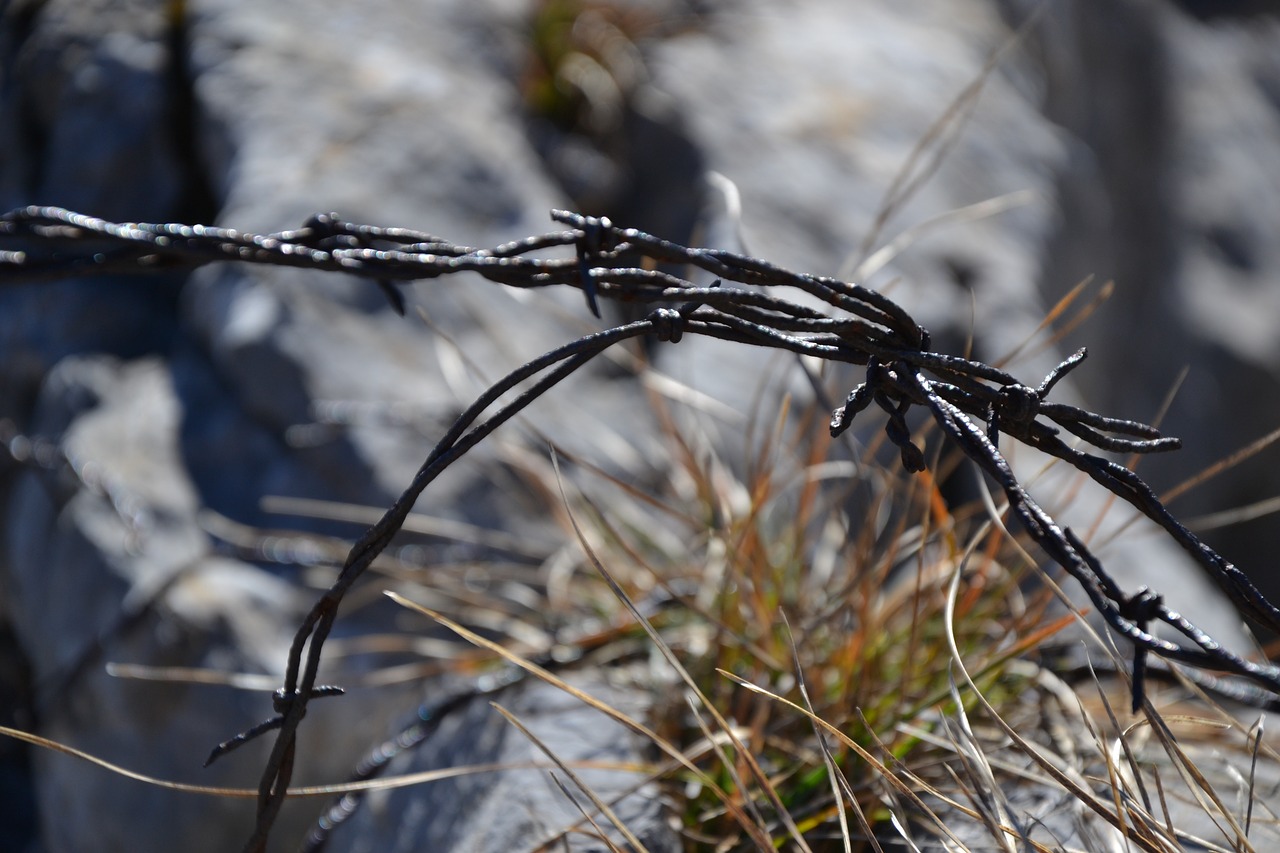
pixel 1127 140
pixel 521 808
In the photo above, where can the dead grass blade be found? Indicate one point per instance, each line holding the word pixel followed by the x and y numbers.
pixel 1132 464
pixel 1048 320
pixel 840 789
pixel 931 149
pixel 1255 734
pixel 550 678
pixel 919 783
pixel 881 768
pixel 1104 293
pixel 416 522
pixel 729 765
pixel 600 804
pixel 761 777
pixel 985 792
pixel 600 834
pixel 1225 464
pixel 1199 786
pixel 1032 750
pixel 1131 761
pixel 384 783
pixel 1108 754
pixel 1229 517
pixel 883 256
pixel 124 772
pixel 194 675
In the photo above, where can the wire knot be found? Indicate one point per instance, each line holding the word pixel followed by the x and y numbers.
pixel 668 324
pixel 1019 404
pixel 596 237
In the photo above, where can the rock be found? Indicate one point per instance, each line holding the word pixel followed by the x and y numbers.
pixel 814 148
pixel 267 390
pixel 105 562
pixel 121 489
pixel 386 143
pixel 1172 127
pixel 91 123
pixel 91 120
pixel 522 807
pixel 112 565
pixel 1076 736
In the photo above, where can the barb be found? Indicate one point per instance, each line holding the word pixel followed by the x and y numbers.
pixel 281 701
pixel 857 326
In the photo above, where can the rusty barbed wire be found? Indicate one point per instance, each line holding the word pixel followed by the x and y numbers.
pixel 858 326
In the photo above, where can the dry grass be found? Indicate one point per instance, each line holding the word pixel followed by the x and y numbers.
pixel 850 658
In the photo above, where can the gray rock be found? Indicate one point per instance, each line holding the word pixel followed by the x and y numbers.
pixel 90 118
pixel 814 147
pixel 119 572
pixel 417 128
pixel 521 808
pixel 122 491
pixel 88 109
pixel 812 116
pixel 270 392
pixel 862 97
pixel 110 564
pixel 1173 126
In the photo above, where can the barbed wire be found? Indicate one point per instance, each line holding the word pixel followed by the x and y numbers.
pixel 857 326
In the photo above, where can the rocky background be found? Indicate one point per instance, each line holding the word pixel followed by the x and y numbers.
pixel 1129 140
